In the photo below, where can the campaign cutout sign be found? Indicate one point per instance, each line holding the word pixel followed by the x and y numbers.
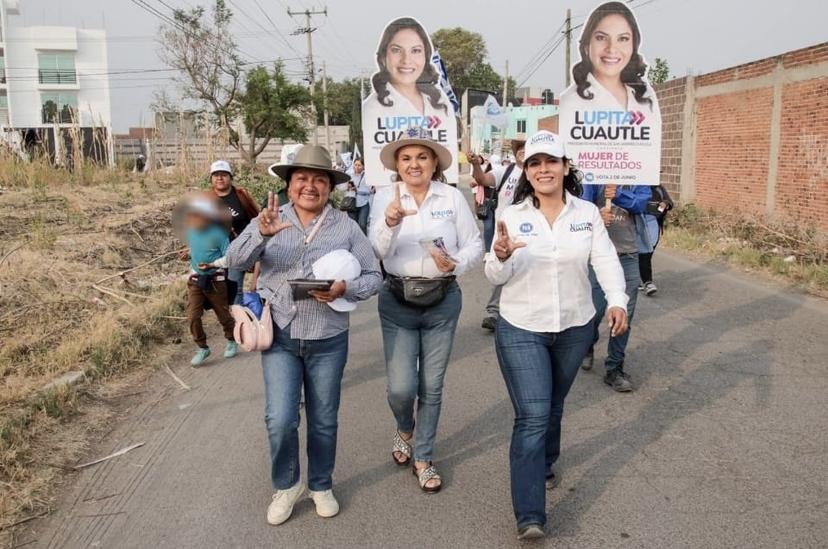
pixel 406 99
pixel 609 117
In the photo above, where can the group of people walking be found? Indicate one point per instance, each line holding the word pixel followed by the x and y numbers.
pixel 556 268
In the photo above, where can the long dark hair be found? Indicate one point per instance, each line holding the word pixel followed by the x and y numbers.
pixel 571 183
pixel 633 73
pixel 427 83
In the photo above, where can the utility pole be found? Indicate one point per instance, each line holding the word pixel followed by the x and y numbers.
pixel 506 84
pixel 568 45
pixel 325 105
pixel 309 30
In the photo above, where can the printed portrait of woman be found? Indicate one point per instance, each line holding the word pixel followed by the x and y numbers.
pixel 405 72
pixel 611 68
pixel 405 93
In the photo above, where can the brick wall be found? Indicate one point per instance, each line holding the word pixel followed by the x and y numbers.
pixel 732 146
pixel 802 182
pixel 752 137
pixel 671 97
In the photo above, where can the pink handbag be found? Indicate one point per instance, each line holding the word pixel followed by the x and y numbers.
pixel 251 333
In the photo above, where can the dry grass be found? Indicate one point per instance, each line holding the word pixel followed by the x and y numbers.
pixel 788 252
pixel 60 233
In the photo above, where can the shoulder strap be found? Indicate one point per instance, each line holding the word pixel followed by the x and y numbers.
pixel 505 178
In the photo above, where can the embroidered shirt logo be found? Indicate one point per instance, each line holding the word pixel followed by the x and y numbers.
pixel 442 214
pixel 526 228
pixel 578 227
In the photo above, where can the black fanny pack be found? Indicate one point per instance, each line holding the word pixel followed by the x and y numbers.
pixel 420 292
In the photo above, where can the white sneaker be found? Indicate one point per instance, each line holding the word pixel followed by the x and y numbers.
pixel 281 507
pixel 326 504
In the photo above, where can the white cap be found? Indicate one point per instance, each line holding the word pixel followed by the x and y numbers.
pixel 338 265
pixel 544 142
pixel 221 166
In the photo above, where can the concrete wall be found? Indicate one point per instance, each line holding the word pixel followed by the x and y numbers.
pixel 751 138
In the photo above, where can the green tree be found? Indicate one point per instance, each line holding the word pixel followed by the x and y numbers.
pixel 344 105
pixel 272 107
pixel 464 54
pixel 659 71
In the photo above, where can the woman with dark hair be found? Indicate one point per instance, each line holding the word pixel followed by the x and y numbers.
pixel 404 62
pixel 611 66
pixel 406 96
pixel 546 312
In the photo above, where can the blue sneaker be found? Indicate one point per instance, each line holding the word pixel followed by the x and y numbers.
pixel 231 350
pixel 200 356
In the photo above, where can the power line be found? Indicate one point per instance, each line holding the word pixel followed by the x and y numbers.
pixel 278 32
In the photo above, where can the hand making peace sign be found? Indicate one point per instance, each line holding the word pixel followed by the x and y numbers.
pixel 395 213
pixel 269 222
pixel 504 246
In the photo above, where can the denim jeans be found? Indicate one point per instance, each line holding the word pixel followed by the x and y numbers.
pixel 617 346
pixel 238 278
pixel 488 232
pixel 288 365
pixel 417 343
pixel 539 369
pixel 493 306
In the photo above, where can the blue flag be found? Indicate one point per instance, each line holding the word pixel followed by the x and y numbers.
pixel 444 81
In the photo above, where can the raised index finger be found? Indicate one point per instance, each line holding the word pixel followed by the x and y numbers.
pixel 270 200
pixel 502 230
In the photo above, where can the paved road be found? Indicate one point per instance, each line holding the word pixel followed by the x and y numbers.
pixel 722 445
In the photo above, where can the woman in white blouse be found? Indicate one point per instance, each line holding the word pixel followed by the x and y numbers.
pixel 426 235
pixel 546 240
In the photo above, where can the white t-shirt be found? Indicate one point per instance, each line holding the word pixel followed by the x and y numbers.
pixel 507 190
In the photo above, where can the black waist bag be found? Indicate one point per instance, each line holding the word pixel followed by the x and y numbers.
pixel 420 292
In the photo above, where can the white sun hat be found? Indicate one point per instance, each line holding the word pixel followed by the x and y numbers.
pixel 338 265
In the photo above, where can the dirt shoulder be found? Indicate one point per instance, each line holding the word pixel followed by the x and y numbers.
pixel 89 284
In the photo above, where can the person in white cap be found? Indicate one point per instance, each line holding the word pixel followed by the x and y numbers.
pixel 545 243
pixel 310 339
pixel 500 184
pixel 242 209
pixel 426 235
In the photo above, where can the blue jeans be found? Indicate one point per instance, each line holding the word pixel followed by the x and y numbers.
pixel 488 232
pixel 288 365
pixel 617 346
pixel 238 278
pixel 417 343
pixel 539 369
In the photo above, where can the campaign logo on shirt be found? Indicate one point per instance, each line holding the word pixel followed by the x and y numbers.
pixel 526 228
pixel 578 227
pixel 442 214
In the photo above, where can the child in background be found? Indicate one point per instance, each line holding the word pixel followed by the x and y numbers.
pixel 208 239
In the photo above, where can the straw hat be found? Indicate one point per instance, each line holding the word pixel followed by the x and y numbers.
pixel 314 157
pixel 415 136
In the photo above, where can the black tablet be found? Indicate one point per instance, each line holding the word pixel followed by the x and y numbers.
pixel 302 286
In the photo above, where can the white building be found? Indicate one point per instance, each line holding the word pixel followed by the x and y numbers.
pixel 52 77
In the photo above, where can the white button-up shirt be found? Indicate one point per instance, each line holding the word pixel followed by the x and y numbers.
pixel 546 284
pixel 444 213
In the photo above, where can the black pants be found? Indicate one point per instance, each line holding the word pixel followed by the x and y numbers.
pixel 645 266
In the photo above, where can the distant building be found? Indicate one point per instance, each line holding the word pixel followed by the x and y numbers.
pixel 53 79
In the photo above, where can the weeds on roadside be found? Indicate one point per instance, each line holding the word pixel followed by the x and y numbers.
pixel 790 250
